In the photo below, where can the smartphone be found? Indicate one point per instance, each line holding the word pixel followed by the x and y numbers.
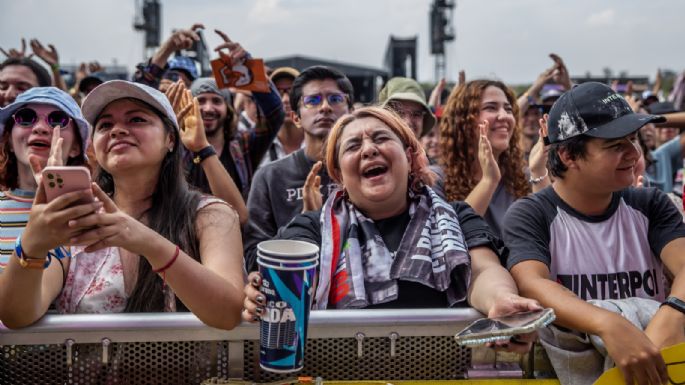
pixel 487 330
pixel 59 180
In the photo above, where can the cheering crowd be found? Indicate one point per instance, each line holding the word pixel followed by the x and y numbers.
pixel 567 198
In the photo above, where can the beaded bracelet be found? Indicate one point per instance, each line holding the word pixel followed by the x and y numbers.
pixel 538 179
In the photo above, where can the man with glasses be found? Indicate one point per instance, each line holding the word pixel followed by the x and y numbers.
pixel 319 96
pixel 405 97
pixel 290 137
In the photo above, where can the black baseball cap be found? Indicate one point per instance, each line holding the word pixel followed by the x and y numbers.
pixel 660 108
pixel 595 110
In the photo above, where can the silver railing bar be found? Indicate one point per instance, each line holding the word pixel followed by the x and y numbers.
pixel 144 327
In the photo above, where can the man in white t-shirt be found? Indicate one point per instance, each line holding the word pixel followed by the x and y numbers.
pixel 590 236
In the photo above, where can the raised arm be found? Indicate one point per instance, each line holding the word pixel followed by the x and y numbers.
pixel 151 73
pixel 479 198
pixel 269 103
pixel 51 58
pixel 194 138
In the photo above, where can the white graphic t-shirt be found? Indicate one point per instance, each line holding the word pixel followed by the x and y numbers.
pixel 609 256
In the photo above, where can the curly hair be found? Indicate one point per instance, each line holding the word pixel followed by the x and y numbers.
pixel 459 142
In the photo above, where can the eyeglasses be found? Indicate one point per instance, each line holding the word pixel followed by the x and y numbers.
pixel 334 100
pixel 27 117
pixel 407 114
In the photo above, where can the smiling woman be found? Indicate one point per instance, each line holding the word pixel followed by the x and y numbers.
pixel 386 239
pixel 28 129
pixel 148 244
pixel 482 161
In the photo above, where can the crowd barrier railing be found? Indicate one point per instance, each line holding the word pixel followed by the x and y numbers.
pixel 175 348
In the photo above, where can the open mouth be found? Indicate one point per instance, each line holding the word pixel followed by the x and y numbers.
pixel 37 144
pixel 374 171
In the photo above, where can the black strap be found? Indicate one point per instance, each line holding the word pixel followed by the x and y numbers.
pixel 64 274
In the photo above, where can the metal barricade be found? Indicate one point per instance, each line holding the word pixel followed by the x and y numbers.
pixel 177 348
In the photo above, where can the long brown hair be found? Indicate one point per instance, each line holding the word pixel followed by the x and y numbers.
pixel 172 215
pixel 459 137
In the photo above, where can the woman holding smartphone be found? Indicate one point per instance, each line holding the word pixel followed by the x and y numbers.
pixel 31 128
pixel 147 243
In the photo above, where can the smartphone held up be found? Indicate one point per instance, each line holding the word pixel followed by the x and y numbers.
pixel 59 180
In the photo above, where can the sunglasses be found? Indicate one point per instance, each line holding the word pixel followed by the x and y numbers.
pixel 27 117
pixel 334 100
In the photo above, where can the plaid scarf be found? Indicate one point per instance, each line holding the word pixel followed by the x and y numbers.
pixel 357 269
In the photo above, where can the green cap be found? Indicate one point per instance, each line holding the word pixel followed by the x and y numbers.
pixel 400 88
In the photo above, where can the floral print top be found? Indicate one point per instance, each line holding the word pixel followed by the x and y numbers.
pixel 95 281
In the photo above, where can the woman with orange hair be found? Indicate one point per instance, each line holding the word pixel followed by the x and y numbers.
pixel 482 160
pixel 387 240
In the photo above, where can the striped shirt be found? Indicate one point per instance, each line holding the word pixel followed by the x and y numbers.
pixel 15 206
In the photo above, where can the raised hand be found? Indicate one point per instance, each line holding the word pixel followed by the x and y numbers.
pixel 657 82
pixel 634 102
pixel 462 78
pixel 49 56
pixel 435 98
pixel 237 53
pixel 54 159
pixel 187 109
pixel 15 53
pixel 486 158
pixel 181 39
pixel 311 191
pixel 537 162
pixel 561 75
pixel 94 67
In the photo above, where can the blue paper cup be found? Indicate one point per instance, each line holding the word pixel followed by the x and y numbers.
pixel 288 270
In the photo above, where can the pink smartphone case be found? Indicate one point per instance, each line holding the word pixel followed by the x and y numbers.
pixel 64 179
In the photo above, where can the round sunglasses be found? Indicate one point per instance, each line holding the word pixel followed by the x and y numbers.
pixel 27 117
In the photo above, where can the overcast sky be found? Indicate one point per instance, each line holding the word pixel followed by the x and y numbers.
pixel 506 39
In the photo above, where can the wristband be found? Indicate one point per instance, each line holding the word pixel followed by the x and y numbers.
pixel 30 263
pixel 675 303
pixel 538 179
pixel 55 66
pixel 203 154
